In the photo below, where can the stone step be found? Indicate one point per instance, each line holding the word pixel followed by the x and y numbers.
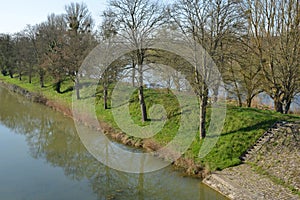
pixel 262 140
pixel 245 158
pixel 266 137
pixel 255 148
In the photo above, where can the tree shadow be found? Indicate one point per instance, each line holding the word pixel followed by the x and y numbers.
pixel 261 125
pixel 260 111
pixel 69 89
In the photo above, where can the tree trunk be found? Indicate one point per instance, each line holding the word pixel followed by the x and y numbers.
pixel 105 96
pixel 19 70
pixel 238 94
pixel 57 86
pixel 249 101
pixel 287 106
pixel 142 104
pixel 11 74
pixel 278 104
pixel 42 84
pixel 250 97
pixel 203 106
pixel 240 102
pixel 215 92
pixel 133 73
pixel 141 94
pixel 30 74
pixel 4 72
pixel 77 87
pixel 177 82
pixel 19 66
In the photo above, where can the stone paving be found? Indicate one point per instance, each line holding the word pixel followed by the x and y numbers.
pixel 242 183
pixel 278 154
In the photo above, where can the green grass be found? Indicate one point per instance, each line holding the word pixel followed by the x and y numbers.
pixel 64 98
pixel 243 126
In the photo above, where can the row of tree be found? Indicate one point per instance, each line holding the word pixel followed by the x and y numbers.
pixel 53 48
pixel 254 44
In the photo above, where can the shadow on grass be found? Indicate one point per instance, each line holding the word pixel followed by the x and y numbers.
pixel 69 89
pixel 261 125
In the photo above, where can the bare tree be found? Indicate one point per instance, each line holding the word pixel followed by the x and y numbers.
pixel 79 43
pixel 137 21
pixel 42 33
pixel 243 72
pixel 22 54
pixel 211 24
pixel 108 31
pixel 233 80
pixel 31 32
pixel 274 26
pixel 287 56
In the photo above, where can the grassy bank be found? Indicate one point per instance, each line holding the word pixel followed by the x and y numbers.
pixel 243 126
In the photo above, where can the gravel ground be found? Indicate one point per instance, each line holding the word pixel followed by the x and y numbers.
pixel 277 155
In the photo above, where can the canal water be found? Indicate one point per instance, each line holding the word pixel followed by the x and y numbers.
pixel 42 157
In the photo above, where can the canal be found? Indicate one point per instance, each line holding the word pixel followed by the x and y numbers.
pixel 42 157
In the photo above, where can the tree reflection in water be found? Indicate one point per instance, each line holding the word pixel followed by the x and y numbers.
pixel 52 137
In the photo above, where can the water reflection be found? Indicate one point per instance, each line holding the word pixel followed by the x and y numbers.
pixel 53 138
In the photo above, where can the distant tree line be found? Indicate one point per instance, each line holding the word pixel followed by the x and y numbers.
pixel 254 43
pixel 53 48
